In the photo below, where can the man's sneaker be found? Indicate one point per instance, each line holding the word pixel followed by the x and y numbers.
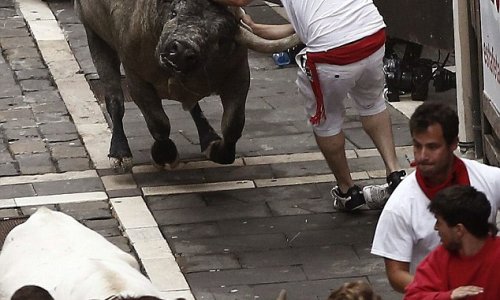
pixel 377 195
pixel 350 201
pixel 394 179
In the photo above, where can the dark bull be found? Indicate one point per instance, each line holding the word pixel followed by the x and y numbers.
pixel 181 50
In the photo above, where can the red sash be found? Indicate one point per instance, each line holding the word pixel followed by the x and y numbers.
pixel 343 55
pixel 459 175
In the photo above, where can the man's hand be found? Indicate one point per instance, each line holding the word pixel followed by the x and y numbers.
pixel 466 291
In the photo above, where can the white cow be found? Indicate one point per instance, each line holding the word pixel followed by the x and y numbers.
pixel 53 251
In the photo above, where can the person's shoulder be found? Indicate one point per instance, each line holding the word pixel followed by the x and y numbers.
pixel 479 165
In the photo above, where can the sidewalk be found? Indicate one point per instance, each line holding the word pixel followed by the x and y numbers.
pixel 203 231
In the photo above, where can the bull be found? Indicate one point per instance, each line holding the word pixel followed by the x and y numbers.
pixel 182 50
pixel 53 255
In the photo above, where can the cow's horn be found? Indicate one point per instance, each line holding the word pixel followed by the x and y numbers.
pixel 256 43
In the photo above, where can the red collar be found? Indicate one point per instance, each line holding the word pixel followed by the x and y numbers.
pixel 459 175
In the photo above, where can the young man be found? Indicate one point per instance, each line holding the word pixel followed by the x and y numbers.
pixel 343 58
pixel 405 233
pixel 467 262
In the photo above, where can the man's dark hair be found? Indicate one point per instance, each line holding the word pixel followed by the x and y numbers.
pixel 31 292
pixel 430 113
pixel 465 205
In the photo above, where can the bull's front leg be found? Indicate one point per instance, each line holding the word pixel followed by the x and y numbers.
pixel 233 96
pixel 107 65
pixel 163 152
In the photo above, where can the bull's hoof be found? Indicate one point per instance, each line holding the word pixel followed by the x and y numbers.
pixel 121 164
pixel 164 153
pixel 218 152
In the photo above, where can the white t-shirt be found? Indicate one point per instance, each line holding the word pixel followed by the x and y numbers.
pixel 327 24
pixel 405 230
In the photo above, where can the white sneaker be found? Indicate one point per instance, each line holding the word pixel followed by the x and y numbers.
pixel 376 195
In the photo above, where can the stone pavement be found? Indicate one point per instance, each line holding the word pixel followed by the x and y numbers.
pixel 202 231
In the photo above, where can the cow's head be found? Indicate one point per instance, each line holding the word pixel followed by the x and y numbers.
pixel 195 33
pixel 198 33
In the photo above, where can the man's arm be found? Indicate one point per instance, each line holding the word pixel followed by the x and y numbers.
pixel 234 2
pixel 398 273
pixel 268 31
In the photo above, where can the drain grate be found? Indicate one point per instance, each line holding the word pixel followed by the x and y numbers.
pixel 6 225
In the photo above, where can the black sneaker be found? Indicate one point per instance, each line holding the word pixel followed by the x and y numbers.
pixel 349 201
pixel 394 179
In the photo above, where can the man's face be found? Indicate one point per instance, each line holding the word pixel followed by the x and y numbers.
pixel 433 156
pixel 449 236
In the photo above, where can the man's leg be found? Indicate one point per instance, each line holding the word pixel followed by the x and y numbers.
pixel 333 149
pixel 378 127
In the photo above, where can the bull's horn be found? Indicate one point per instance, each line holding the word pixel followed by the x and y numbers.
pixel 256 43
pixel 282 295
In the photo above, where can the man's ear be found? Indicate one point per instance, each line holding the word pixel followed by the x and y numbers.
pixel 454 144
pixel 460 229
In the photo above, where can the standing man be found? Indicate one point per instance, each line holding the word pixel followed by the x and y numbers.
pixel 405 230
pixel 343 58
pixel 467 262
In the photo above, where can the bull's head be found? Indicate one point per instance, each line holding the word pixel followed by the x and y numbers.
pixel 197 33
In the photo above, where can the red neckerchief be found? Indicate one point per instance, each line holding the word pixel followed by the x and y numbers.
pixel 459 175
pixel 343 55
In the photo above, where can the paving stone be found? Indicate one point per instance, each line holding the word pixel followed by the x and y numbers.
pixel 204 214
pixel 98 224
pixel 124 193
pixel 246 276
pixel 51 117
pixel 238 173
pixel 74 164
pixel 228 244
pixel 87 210
pixel 308 191
pixel 343 268
pixel 8 213
pixel 169 177
pixel 14 134
pixel 200 263
pixel 32 85
pixel 300 168
pixel 42 96
pixel 15 114
pixel 25 146
pixel 58 128
pixel 13 32
pixel 300 206
pixel 32 74
pixel 62 137
pixel 15 191
pixel 10 91
pixel 7 12
pixel 297 256
pixel 191 231
pixel 29 210
pixel 11 102
pixel 35 163
pixel 8 169
pixel 21 52
pixel 338 236
pixel 16 42
pixel 121 242
pixel 174 201
pixel 67 150
pixel 68 186
pixel 49 107
pixel 27 63
pixel 310 289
